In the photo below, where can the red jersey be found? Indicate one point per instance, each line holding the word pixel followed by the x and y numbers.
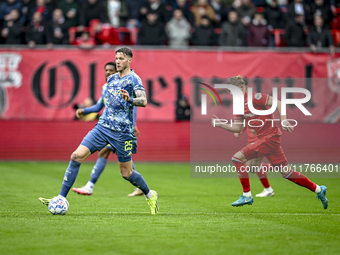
pixel 265 128
pixel 251 137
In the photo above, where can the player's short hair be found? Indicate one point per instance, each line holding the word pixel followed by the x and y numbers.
pixel 111 64
pixel 126 51
pixel 237 80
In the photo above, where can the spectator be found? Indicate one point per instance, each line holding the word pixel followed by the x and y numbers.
pixel 183 109
pixel 200 9
pixel 85 41
pixel 274 15
pixel 36 32
pixel 221 12
pixel 246 12
pixel 295 35
pixel 178 29
pixel 90 10
pixel 333 4
pixel 259 3
pixel 282 3
pixel 52 3
pixel 26 9
pixel 6 7
pixel 184 7
pixel 117 12
pixel 155 6
pixel 204 34
pixel 152 31
pixel 319 36
pixel 57 30
pixel 12 30
pixel 258 33
pixel 233 32
pixel 44 9
pixel 106 34
pixel 321 8
pixel 71 11
pixel 133 7
pixel 298 7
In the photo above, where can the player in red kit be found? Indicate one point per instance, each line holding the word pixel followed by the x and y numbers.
pixel 268 144
pixel 256 163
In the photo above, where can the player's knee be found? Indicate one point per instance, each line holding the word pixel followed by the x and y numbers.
pixel 235 157
pixel 75 156
pixel 125 172
pixel 125 175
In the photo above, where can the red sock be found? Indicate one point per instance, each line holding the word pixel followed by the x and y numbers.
pixel 242 173
pixel 301 180
pixel 263 177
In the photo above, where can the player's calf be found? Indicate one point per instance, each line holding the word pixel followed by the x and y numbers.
pixel 301 180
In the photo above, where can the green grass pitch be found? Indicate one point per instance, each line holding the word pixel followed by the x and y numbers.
pixel 195 214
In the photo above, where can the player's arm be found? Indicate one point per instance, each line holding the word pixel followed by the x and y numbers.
pixel 134 116
pixel 287 126
pixel 139 100
pixel 134 124
pixel 94 108
pixel 136 132
pixel 235 127
pixel 238 135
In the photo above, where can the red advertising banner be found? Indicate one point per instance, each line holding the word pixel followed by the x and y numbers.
pixel 46 84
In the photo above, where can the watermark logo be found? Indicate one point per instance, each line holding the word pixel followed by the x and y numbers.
pixel 204 98
pixel 238 100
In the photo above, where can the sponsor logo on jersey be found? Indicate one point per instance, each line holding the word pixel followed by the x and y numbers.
pixel 249 115
pixel 258 96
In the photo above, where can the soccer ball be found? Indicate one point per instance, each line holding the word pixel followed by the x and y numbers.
pixel 58 205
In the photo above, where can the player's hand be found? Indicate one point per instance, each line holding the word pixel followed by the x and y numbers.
pixel 287 126
pixel 237 135
pixel 213 121
pixel 253 131
pixel 80 113
pixel 136 132
pixel 125 94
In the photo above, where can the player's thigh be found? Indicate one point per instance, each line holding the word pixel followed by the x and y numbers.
pixel 257 150
pixel 125 145
pixel 247 153
pixel 240 155
pixel 81 153
pixel 96 139
pixel 254 162
pixel 278 159
pixel 104 153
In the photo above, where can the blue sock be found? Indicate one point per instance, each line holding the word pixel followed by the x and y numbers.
pixel 98 169
pixel 133 166
pixel 70 177
pixel 137 180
